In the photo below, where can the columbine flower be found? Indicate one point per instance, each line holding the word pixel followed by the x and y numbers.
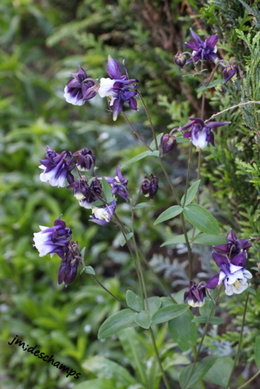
pixel 53 240
pixel 85 159
pixel 200 132
pixel 118 184
pixel 234 248
pixel 90 193
pixel 149 186
pixel 167 143
pixel 80 88
pixel 229 72
pixel 104 215
pixel 202 50
pixel 57 168
pixel 118 88
pixel 69 264
pixel 180 59
pixel 196 294
pixel 233 276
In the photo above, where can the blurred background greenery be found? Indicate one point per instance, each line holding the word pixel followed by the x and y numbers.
pixel 42 43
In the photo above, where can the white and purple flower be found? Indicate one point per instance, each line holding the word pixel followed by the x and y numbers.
pixel 57 168
pixel 85 159
pixel 53 240
pixel 203 50
pixel 118 88
pixel 200 132
pixel 103 216
pixel 80 88
pixel 195 295
pixel 118 184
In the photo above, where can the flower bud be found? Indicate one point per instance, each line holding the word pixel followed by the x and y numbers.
pixel 85 159
pixel 168 141
pixel 149 186
pixel 230 71
pixel 180 59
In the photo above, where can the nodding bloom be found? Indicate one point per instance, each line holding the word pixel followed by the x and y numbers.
pixel 167 143
pixel 85 159
pixel 180 59
pixel 119 88
pixel 195 296
pixel 149 186
pixel 87 194
pixel 234 248
pixel 69 264
pixel 230 71
pixel 118 184
pixel 53 240
pixel 103 216
pixel 80 88
pixel 200 132
pixel 202 50
pixel 57 168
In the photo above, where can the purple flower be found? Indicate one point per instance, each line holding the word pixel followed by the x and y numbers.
pixel 57 168
pixel 119 88
pixel 200 132
pixel 103 216
pixel 168 142
pixel 202 50
pixel 195 295
pixel 69 264
pixel 234 248
pixel 118 184
pixel 233 276
pixel 229 72
pixel 89 193
pixel 180 59
pixel 53 240
pixel 85 159
pixel 149 186
pixel 80 88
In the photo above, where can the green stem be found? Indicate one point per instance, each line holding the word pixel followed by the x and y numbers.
pixel 150 121
pixel 136 133
pixel 233 107
pixel 240 339
pixel 107 290
pixel 159 359
pixel 250 380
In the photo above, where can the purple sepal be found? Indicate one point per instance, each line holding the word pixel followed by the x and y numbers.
pixel 230 71
pixel 220 259
pixel 150 186
pixel 113 68
pixel 69 265
pixel 202 50
pixel 211 41
pixel 118 184
pixel 80 88
pixel 213 282
pixel 239 259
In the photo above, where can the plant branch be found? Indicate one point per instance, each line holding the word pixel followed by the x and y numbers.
pixel 233 107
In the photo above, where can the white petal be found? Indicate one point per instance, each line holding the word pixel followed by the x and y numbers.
pixel 222 276
pixel 101 214
pixel 200 140
pixel 238 290
pixel 247 274
pixel 52 180
pixel 229 290
pixel 105 88
pixel 234 268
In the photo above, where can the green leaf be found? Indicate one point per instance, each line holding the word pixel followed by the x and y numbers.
pixel 140 156
pixel 191 193
pixel 107 191
pixel 184 331
pixel 195 372
pixel 169 312
pixel 213 84
pixel 133 301
pixel 201 218
pixel 105 368
pixel 213 320
pixel 257 350
pixel 116 322
pixel 176 239
pixel 154 304
pixel 210 239
pixel 169 213
pixel 89 270
pixel 220 372
pixel 123 239
pixel 143 319
pixel 96 384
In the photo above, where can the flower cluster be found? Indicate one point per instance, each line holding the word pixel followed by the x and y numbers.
pixel 205 51
pixel 118 88
pixel 58 171
pixel 231 259
pixel 57 240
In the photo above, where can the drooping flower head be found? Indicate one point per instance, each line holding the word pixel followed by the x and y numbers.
pixel 167 143
pixel 150 186
pixel 118 184
pixel 230 71
pixel 195 295
pixel 203 50
pixel 57 168
pixel 53 240
pixel 200 132
pixel 119 88
pixel 103 216
pixel 85 159
pixel 80 88
pixel 69 264
pixel 231 259
pixel 88 193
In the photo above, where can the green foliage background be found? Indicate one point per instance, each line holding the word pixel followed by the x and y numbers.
pixel 42 42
